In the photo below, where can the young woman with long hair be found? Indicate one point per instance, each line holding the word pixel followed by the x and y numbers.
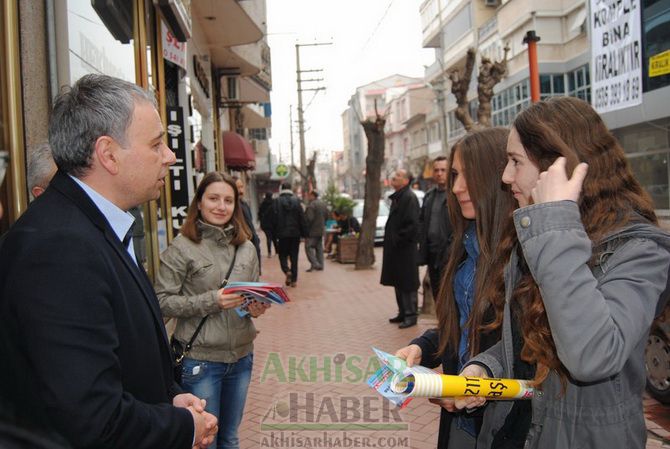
pixel 584 272
pixel 213 238
pixel 479 210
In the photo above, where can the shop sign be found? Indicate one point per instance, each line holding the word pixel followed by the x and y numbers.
pixel 281 171
pixel 616 57
pixel 173 50
pixel 201 75
pixel 659 64
pixel 178 175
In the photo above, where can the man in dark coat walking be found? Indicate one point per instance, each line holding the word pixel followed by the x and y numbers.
pixel 399 266
pixel 435 226
pixel 316 216
pixel 289 226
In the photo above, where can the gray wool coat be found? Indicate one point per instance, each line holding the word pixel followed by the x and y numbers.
pixel 599 317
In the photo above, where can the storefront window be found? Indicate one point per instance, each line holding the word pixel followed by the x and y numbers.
pixel 92 47
pixel 656 39
pixel 652 172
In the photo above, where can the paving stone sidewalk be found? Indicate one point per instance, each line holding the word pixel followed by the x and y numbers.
pixel 312 357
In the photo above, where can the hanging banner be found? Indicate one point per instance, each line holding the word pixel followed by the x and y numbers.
pixel 173 50
pixel 616 54
pixel 178 176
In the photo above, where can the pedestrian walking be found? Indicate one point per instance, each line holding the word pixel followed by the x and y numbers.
pixel 435 225
pixel 582 288
pixel 75 304
pixel 399 265
pixel 480 210
pixel 248 218
pixel 213 245
pixel 316 215
pixel 289 227
pixel 265 217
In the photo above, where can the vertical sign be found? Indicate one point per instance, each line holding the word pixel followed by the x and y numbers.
pixel 178 178
pixel 616 54
pixel 173 50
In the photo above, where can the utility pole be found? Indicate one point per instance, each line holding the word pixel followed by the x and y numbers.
pixel 531 39
pixel 301 119
pixel 290 118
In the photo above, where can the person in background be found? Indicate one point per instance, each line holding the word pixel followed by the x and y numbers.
pixel 316 215
pixel 435 225
pixel 248 218
pixel 40 169
pixel 345 224
pixel 213 238
pixel 583 276
pixel 265 217
pixel 289 226
pixel 399 265
pixel 480 212
pixel 74 303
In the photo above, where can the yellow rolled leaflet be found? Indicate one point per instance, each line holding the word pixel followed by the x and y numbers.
pixel 443 386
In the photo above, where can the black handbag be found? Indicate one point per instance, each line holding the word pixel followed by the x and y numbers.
pixel 179 351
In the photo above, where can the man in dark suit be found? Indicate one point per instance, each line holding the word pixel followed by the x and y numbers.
pixel 435 225
pixel 78 310
pixel 399 264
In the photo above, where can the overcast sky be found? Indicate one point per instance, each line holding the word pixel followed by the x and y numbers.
pixel 371 39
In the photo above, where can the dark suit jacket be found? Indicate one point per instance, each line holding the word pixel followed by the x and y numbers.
pixel 87 327
pixel 424 223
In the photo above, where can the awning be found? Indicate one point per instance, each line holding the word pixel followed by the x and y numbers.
pixel 237 151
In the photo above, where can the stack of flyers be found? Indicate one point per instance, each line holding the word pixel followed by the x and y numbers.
pixel 256 291
pixel 381 379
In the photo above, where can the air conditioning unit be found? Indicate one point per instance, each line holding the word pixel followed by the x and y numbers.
pixel 230 88
pixel 492 2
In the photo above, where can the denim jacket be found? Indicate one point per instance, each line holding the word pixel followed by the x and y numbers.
pixel 599 315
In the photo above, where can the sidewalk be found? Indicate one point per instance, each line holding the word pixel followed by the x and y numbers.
pixel 313 356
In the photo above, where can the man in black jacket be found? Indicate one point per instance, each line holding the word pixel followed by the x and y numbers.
pixel 399 266
pixel 435 226
pixel 289 226
pixel 75 305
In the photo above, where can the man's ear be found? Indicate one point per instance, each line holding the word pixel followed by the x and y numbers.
pixel 37 191
pixel 106 152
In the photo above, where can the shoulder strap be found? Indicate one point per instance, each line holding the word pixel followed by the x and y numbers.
pixel 202 322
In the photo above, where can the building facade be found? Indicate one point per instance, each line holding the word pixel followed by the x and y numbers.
pixel 180 50
pixel 565 51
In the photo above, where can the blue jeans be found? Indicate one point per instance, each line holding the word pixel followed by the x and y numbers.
pixel 224 386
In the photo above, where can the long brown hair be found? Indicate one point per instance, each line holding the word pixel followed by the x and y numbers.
pixel 190 229
pixel 569 127
pixel 483 156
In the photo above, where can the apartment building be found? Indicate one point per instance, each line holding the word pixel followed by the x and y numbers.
pixel 450 27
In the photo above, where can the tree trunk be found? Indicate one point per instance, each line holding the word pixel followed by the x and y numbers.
pixel 460 84
pixel 374 131
pixel 490 74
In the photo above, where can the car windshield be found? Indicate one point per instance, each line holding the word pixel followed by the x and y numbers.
pixel 358 209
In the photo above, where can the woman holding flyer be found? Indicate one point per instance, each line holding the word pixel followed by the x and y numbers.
pixel 581 290
pixel 213 247
pixel 480 210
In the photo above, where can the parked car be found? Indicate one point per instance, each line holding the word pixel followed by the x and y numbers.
pixel 657 358
pixel 382 216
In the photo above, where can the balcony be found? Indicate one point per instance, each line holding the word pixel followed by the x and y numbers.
pixel 225 23
pixel 431 23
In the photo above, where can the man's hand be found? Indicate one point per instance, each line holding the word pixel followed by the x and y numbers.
pixel 205 428
pixel 411 354
pixel 186 400
pixel 554 184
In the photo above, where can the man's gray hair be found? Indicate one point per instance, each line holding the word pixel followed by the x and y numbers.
pixel 95 106
pixel 40 166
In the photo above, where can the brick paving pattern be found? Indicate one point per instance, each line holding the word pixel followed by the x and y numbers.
pixel 311 355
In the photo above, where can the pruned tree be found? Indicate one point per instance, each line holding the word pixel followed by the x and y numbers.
pixel 308 178
pixel 490 74
pixel 460 84
pixel 374 131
